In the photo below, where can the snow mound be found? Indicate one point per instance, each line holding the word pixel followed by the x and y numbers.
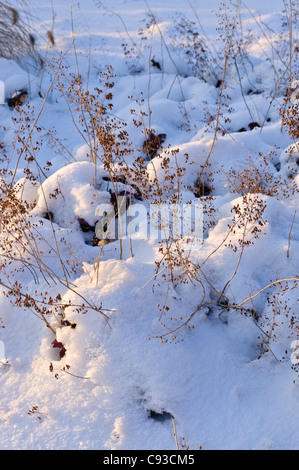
pixel 74 191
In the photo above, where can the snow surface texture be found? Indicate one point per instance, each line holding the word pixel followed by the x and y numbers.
pixel 117 386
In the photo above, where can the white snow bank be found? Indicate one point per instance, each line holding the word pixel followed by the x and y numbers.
pixel 72 192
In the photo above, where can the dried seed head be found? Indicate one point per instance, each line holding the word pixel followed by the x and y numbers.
pixel 51 37
pixel 14 15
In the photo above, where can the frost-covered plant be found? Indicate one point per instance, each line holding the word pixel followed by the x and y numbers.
pixel 26 245
pixel 104 134
pixel 187 38
pixel 290 110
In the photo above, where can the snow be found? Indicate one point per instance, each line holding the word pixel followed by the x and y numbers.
pixel 228 378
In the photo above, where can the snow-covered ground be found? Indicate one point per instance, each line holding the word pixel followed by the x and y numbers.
pixel 123 380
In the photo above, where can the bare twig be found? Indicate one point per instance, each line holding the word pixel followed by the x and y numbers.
pixel 290 235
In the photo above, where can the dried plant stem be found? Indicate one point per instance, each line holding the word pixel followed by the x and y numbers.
pixel 19 293
pixel 290 235
pixel 279 81
pixel 218 114
pixel 238 263
pixel 35 122
pixel 279 281
pixel 175 431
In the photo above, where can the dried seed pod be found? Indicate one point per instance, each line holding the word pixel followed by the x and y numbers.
pixel 153 144
pixel 14 15
pixel 32 39
pixel 17 98
pixel 51 37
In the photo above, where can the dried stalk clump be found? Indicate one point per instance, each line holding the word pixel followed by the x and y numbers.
pixel 16 41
